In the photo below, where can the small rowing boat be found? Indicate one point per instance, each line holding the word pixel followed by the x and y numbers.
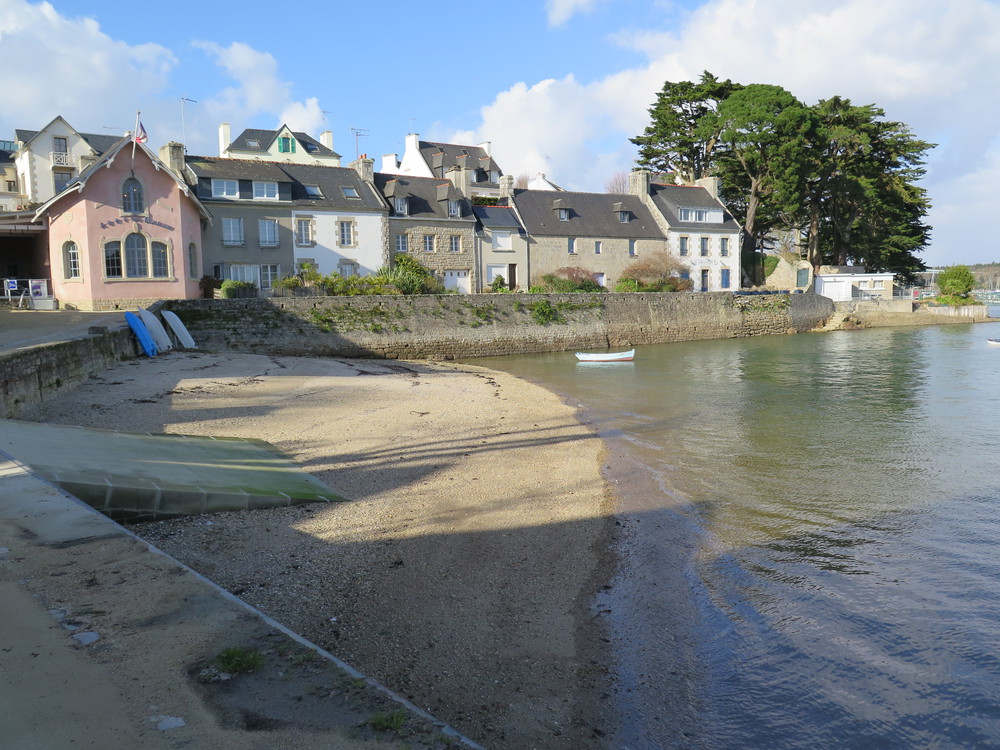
pixel 994 342
pixel 606 356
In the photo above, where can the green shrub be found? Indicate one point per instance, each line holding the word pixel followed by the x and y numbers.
pixel 498 284
pixel 232 289
pixel 543 313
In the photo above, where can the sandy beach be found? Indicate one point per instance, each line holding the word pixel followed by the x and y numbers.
pixel 461 568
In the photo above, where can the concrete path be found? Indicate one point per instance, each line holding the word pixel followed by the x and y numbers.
pixel 20 329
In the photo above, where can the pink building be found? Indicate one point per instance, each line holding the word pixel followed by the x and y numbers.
pixel 125 233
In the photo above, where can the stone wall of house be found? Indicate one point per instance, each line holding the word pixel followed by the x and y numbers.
pixel 462 326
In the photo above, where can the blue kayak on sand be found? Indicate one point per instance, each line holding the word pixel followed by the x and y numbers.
pixel 141 333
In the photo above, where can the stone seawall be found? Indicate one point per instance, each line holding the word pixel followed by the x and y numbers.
pixel 30 376
pixel 462 326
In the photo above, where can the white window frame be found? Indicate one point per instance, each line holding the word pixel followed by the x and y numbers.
pixel 502 241
pixel 455 243
pixel 724 246
pixel 400 207
pixel 225 188
pixel 304 231
pixel 598 247
pixel 269 273
pixel 345 230
pixel 631 248
pixel 402 243
pixel 429 244
pixel 571 245
pixel 704 246
pixel 624 216
pixel 232 230
pixel 71 260
pixel 265 191
pixel 267 233
pixel 563 214
pixel 454 208
pixel 683 248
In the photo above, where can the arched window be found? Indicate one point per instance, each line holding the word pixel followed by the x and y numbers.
pixel 71 261
pixel 132 202
pixel 136 259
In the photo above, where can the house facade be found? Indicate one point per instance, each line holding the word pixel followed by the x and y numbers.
pixel 846 283
pixel 271 218
pixel 501 248
pixel 602 233
pixel 47 160
pixel 433 221
pixel 282 144
pixel 10 199
pixel 700 232
pixel 125 233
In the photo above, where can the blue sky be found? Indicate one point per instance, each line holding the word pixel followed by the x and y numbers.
pixel 555 86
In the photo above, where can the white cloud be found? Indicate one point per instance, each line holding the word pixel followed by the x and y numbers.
pixel 69 67
pixel 931 65
pixel 303 116
pixel 560 11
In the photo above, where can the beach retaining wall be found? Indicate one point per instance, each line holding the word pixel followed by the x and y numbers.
pixel 479 325
pixel 30 376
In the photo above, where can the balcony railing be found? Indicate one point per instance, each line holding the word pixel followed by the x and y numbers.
pixel 62 159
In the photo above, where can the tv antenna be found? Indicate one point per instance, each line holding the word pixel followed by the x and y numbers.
pixel 358 133
pixel 325 112
pixel 183 127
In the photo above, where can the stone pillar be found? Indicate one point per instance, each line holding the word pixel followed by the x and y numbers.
pixel 638 182
pixel 172 154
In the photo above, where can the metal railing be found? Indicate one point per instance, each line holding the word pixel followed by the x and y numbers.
pixel 62 159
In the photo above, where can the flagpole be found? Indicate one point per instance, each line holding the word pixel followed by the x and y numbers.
pixel 135 134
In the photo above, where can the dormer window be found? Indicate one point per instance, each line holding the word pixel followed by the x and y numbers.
pixel 225 188
pixel 400 206
pixel 563 214
pixel 693 214
pixel 286 145
pixel 132 201
pixel 624 216
pixel 495 176
pixel 265 190
pixel 312 148
pixel 454 208
pixel 313 191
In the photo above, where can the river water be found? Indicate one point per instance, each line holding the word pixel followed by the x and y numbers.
pixel 810 537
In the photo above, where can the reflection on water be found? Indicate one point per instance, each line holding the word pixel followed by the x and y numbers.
pixel 813 536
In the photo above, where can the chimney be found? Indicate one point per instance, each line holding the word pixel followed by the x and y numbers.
pixel 172 154
pixel 487 146
pixel 461 178
pixel 506 186
pixel 638 182
pixel 365 168
pixel 711 184
pixel 326 138
pixel 224 138
pixel 390 163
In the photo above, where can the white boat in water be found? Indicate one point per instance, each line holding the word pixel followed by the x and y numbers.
pixel 994 342
pixel 606 356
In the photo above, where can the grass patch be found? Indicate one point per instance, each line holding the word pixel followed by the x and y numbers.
pixel 237 660
pixel 391 721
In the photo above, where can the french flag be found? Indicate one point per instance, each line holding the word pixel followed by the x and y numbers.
pixel 140 134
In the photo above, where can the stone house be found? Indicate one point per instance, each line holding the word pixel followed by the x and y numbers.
pixel 603 233
pixel 271 218
pixel 125 232
pixel 282 144
pixel 471 168
pixel 432 220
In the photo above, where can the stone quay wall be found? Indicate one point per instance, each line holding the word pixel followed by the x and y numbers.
pixel 463 326
pixel 29 376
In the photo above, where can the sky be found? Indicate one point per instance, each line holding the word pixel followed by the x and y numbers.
pixel 555 86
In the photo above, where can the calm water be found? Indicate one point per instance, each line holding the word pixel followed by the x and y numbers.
pixel 811 555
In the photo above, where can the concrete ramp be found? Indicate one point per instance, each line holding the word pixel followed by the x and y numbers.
pixel 133 476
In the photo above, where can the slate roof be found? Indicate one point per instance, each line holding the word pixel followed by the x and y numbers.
pixel 591 214
pixel 427 196
pixel 264 139
pixel 670 198
pixel 496 217
pixel 330 181
pixel 441 157
pixel 100 143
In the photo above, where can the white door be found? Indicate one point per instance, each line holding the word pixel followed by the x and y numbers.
pixel 458 280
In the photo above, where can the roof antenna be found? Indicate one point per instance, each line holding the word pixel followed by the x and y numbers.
pixel 183 128
pixel 358 132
